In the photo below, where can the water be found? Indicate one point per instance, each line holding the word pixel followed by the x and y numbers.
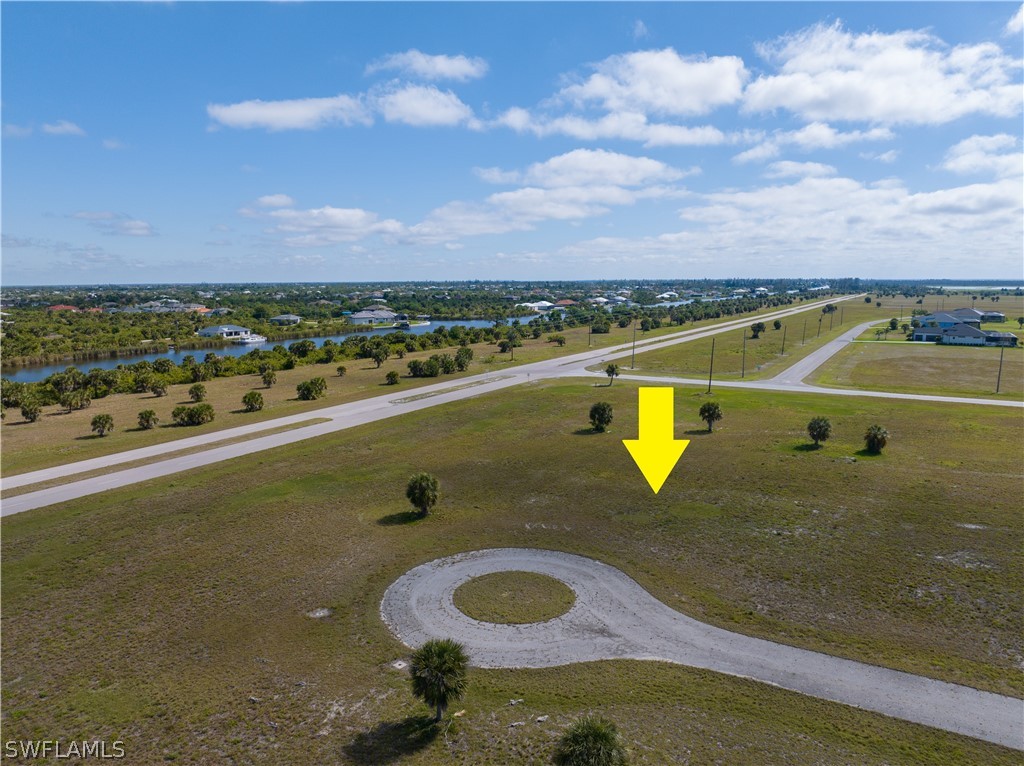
pixel 39 372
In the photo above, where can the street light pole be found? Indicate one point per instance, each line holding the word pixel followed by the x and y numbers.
pixel 819 327
pixel 743 366
pixel 784 328
pixel 711 369
pixel 632 361
pixel 804 336
pixel 999 377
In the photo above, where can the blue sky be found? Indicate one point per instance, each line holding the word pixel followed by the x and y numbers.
pixel 199 142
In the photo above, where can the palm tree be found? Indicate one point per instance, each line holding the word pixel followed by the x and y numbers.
pixel 422 492
pixel 710 413
pixel 876 438
pixel 439 673
pixel 612 371
pixel 591 741
pixel 819 429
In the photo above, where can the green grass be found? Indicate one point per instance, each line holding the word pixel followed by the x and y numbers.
pixel 514 598
pixel 925 368
pixel 159 612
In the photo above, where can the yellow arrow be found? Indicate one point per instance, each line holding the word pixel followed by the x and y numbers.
pixel 656 452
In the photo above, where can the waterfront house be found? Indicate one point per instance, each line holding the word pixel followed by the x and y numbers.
pixel 228 331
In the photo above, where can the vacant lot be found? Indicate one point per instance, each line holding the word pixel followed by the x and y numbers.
pixel 174 615
pixel 925 368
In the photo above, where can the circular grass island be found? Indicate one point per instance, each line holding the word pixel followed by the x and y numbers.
pixel 514 598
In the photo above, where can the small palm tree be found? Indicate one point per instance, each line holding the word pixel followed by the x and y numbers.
pixel 252 401
pixel 438 672
pixel 269 378
pixel 148 419
pixel 612 371
pixel 710 413
pixel 819 429
pixel 876 438
pixel 197 392
pixel 591 741
pixel 422 492
pixel 103 424
pixel 601 416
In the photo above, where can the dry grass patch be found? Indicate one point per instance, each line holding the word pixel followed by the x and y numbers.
pixel 514 598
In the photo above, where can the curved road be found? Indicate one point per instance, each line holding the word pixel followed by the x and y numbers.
pixel 615 618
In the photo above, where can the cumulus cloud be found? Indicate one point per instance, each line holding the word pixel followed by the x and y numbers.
pixel 986 155
pixel 63 128
pixel 816 135
pixel 328 225
pixel 632 126
pixel 789 169
pixel 640 30
pixel 414 63
pixel 423 105
pixel 583 167
pixel 275 200
pixel 660 82
pixel 906 77
pixel 291 114
pixel 886 157
pixel 17 131
pixel 118 224
pixel 1016 24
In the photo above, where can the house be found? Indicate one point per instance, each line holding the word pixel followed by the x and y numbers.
pixel 565 302
pixel 220 312
pixel 946 319
pixel 376 316
pixel 286 319
pixel 230 331
pixel 62 307
pixel 962 335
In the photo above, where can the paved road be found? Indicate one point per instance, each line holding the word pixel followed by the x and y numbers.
pixel 615 618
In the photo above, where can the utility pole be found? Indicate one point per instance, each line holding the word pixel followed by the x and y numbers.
pixel 743 367
pixel 831 319
pixel 590 332
pixel 711 369
pixel 804 336
pixel 632 361
pixel 999 377
pixel 784 328
pixel 819 326
pixel 842 313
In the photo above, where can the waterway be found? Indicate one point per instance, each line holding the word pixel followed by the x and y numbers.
pixel 39 372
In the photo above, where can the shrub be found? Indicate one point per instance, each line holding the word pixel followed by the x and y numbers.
pixel 197 392
pixel 159 388
pixel 31 411
pixel 269 378
pixel 422 492
pixel 591 741
pixel 710 413
pixel 601 416
pixel 391 378
pixel 148 420
pixel 196 415
pixel 103 424
pixel 875 438
pixel 253 401
pixel 341 371
pixel 314 388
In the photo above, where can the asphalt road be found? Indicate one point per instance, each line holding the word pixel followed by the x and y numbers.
pixel 615 618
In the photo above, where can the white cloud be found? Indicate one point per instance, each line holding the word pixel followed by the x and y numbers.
pixel 291 114
pixel 789 169
pixel 421 105
pixel 907 77
pixel 640 30
pixel 415 63
pixel 584 167
pixel 886 157
pixel 328 225
pixel 816 135
pixel 1015 25
pixel 661 82
pixel 112 144
pixel 986 155
pixel 119 224
pixel 275 200
pixel 632 126
pixel 63 128
pixel 17 131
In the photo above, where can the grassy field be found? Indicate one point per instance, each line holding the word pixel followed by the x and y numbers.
pixel 514 598
pixel 174 615
pixel 59 437
pixel 764 357
pixel 925 368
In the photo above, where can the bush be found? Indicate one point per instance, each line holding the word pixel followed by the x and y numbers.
pixel 314 388
pixel 391 378
pixel 269 378
pixel 591 741
pixel 197 392
pixel 601 416
pixel 342 370
pixel 103 424
pixel 710 413
pixel 31 411
pixel 148 420
pixel 253 401
pixel 159 388
pixel 196 415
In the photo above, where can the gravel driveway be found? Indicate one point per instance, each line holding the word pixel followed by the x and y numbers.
pixel 615 618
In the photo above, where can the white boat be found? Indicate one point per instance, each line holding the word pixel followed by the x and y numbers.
pixel 253 338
